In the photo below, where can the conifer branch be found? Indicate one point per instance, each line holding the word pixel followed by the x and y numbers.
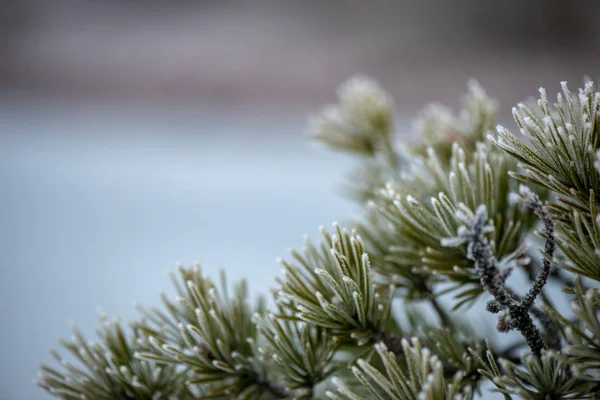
pixel 108 369
pixel 514 314
pixel 532 200
pixel 441 219
pixel 424 377
pixel 212 335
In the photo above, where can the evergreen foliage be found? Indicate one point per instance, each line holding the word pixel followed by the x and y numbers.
pixel 109 369
pixel 422 377
pixel 333 288
pixel 376 310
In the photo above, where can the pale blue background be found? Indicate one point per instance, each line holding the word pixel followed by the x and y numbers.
pixel 136 134
pixel 100 200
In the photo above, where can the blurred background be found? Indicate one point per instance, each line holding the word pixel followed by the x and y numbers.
pixel 134 134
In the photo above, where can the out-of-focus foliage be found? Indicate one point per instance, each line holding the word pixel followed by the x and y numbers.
pixel 579 239
pixel 362 121
pixel 583 334
pixel 548 377
pixel 439 128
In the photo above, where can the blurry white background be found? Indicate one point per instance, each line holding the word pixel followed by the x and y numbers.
pixel 134 134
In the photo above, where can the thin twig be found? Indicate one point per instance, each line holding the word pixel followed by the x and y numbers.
pixel 534 202
pixel 531 270
pixel 546 321
pixel 514 314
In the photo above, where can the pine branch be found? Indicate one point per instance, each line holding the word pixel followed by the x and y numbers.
pixel 303 352
pixel 583 334
pixel 514 314
pixel 333 287
pixel 108 370
pixel 421 214
pixel 424 377
pixel 213 336
pixel 362 122
pixel 562 139
pixel 531 200
pixel 438 127
pixel 334 302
